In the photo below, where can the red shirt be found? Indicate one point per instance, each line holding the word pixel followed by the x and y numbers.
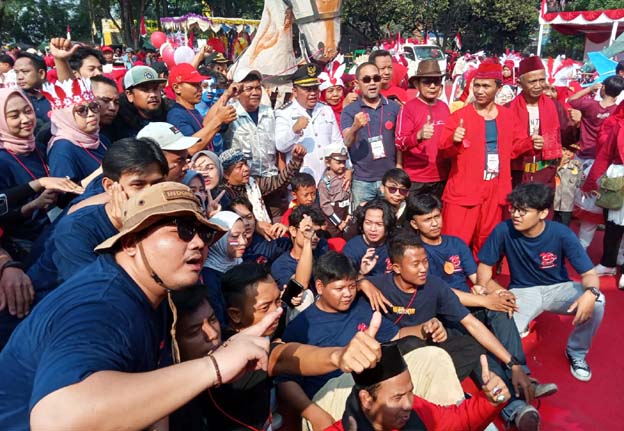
pixel 465 181
pixel 474 414
pixel 420 158
pixel 610 149
pixel 593 116
pixel 397 92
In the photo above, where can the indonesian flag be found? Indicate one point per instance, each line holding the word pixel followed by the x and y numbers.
pixel 457 41
pixel 68 32
pixel 143 31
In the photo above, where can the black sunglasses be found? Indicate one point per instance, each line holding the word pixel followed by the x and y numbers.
pixel 83 110
pixel 188 228
pixel 367 79
pixel 429 81
pixel 393 190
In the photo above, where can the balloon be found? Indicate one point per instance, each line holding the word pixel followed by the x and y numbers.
pixel 163 47
pixel 158 38
pixel 183 54
pixel 168 57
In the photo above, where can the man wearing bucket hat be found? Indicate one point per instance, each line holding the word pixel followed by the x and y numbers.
pixel 418 131
pixel 96 340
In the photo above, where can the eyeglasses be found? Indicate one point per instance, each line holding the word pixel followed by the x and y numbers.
pixel 429 81
pixel 83 110
pixel 188 228
pixel 367 79
pixel 521 211
pixel 402 191
pixel 251 89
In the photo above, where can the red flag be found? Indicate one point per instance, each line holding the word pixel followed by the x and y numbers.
pixel 143 30
pixel 191 38
pixel 458 41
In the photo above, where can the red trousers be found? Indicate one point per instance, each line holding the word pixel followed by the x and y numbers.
pixel 475 223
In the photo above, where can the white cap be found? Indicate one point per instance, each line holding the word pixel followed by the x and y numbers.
pixel 242 73
pixel 167 136
pixel 336 151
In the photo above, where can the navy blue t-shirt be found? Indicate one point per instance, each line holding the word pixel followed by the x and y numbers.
pixel 285 266
pixel 12 174
pixel 265 252
pixel 433 299
pixel 455 252
pixel 355 249
pixel 323 329
pixel 211 278
pixel 189 121
pixel 538 261
pixel 69 160
pixel 98 320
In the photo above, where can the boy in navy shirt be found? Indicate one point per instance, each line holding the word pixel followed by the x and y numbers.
pixel 536 250
pixel 375 220
pixel 426 301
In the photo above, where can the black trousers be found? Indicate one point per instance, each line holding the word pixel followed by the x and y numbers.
pixel 611 243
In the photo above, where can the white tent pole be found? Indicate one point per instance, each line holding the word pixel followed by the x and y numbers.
pixel 613 32
pixel 539 40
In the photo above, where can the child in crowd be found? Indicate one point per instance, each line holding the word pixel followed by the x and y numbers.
pixel 303 189
pixel 568 180
pixel 395 186
pixel 334 200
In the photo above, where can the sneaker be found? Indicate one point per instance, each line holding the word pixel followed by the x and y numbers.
pixel 579 368
pixel 544 389
pixel 621 283
pixel 604 270
pixel 527 419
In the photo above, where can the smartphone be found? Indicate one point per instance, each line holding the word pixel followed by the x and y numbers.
pixel 293 288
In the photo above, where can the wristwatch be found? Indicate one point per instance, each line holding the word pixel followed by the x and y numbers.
pixel 594 291
pixel 513 361
pixel 11 264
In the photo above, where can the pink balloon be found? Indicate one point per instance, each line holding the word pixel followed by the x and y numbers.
pixel 167 56
pixel 158 38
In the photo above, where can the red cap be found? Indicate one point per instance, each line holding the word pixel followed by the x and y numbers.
pixel 530 64
pixel 107 49
pixel 489 71
pixel 185 73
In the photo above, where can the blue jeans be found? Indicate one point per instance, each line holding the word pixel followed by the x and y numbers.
pixel 364 191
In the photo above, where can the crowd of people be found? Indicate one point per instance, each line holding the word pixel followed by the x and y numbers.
pixel 176 253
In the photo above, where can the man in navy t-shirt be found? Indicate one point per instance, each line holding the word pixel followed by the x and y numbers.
pixel 336 316
pixel 536 250
pixel 421 299
pixel 105 324
pixel 375 221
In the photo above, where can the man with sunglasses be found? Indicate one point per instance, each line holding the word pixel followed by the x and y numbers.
pixel 368 128
pixel 308 122
pixel 98 338
pixel 419 127
pixel 536 250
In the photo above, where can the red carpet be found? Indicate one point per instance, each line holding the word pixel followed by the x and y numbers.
pixel 581 406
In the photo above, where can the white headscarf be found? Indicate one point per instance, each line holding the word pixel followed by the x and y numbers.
pixel 218 258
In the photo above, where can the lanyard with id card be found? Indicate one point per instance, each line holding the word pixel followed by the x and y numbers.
pixel 376 142
pixel 492 162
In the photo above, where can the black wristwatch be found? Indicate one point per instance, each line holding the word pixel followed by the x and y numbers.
pixel 513 361
pixel 11 264
pixel 594 292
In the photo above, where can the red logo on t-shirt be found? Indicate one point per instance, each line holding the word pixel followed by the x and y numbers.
pixel 549 260
pixel 261 260
pixel 388 265
pixel 456 261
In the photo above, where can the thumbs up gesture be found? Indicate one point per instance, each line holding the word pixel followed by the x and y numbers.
pixel 363 351
pixel 494 388
pixel 427 131
pixel 460 132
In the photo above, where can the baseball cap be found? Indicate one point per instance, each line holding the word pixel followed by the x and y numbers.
pixel 185 72
pixel 140 75
pixel 107 48
pixel 160 201
pixel 167 136
pixel 335 151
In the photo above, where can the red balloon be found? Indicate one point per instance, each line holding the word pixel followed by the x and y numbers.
pixel 167 56
pixel 158 38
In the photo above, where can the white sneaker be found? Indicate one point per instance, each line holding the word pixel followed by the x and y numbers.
pixel 604 270
pixel 621 283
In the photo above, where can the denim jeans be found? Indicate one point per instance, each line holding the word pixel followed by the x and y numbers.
pixel 364 191
pixel 532 301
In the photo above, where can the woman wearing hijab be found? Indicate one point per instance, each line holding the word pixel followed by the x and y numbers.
pixel 76 148
pixel 21 163
pixel 332 87
pixel 223 255
pixel 208 165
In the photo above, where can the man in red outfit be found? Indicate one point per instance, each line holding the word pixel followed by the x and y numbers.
pixel 480 139
pixel 418 131
pixel 383 400
pixel 542 119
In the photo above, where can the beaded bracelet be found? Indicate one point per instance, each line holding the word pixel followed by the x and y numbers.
pixel 216 367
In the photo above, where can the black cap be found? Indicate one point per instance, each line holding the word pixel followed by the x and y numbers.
pixel 307 75
pixel 391 364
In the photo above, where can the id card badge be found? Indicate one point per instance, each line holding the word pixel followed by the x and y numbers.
pixel 492 163
pixel 377 148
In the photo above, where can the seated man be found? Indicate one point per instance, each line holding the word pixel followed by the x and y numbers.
pixel 252 296
pixel 333 320
pixel 383 400
pixel 424 301
pixel 375 220
pixel 536 250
